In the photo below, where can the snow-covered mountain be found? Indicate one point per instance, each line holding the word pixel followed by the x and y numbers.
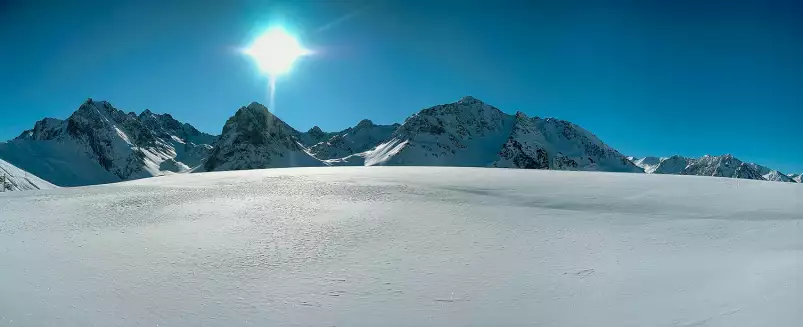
pixel 722 166
pixel 365 136
pixel 314 136
pixel 672 165
pixel 472 133
pixel 254 138
pixel 796 177
pixel 777 176
pixel 649 164
pixel 16 179
pixel 100 144
pixel 719 166
pixel 190 144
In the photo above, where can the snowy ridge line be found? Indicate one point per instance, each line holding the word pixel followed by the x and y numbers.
pixel 100 144
pixel 467 133
pixel 718 166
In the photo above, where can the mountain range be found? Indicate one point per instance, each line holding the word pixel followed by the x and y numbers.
pixel 718 166
pixel 99 144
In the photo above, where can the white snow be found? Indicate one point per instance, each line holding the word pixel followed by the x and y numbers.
pixel 649 164
pixel 404 246
pixel 101 144
pixel 19 180
pixel 63 163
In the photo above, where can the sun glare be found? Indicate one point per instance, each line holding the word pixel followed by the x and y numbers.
pixel 275 51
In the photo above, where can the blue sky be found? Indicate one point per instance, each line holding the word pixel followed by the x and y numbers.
pixel 648 77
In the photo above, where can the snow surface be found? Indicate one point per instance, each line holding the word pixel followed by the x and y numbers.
pixel 59 162
pixel 404 246
pixel 20 180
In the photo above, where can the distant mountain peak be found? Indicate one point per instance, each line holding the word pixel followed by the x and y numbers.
pixel 365 123
pixel 469 100
pixel 256 106
pixel 99 143
pixel 725 165
pixel 254 138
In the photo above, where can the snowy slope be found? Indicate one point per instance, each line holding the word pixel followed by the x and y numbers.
pixel 60 162
pixel 19 180
pixel 365 136
pixel 465 133
pixel 190 145
pixel 472 133
pixel 649 164
pixel 560 145
pixel 776 176
pixel 100 144
pixel 796 177
pixel 404 246
pixel 672 165
pixel 254 138
pixel 722 166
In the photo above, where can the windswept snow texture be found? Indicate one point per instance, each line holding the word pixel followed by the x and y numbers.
pixel 404 246
pixel 19 180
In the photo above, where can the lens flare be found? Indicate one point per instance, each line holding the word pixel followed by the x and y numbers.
pixel 275 51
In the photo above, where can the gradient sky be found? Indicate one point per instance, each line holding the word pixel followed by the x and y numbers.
pixel 647 77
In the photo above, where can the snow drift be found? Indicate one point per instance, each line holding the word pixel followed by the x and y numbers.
pixel 404 246
pixel 19 180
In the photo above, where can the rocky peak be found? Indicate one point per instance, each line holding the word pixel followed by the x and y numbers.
pixel 722 166
pixel 468 117
pixel 365 136
pixel 777 176
pixel 45 129
pixel 315 130
pixel 469 100
pixel 673 165
pixel 255 119
pixel 365 123
pixel 255 138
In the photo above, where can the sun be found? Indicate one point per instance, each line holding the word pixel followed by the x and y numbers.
pixel 275 51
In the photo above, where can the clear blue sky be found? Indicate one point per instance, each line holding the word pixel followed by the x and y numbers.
pixel 648 77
